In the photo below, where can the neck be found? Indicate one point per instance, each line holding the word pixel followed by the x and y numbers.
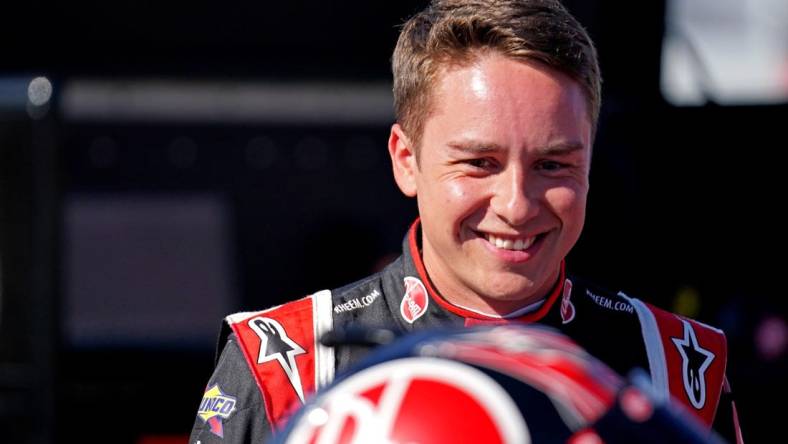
pixel 498 306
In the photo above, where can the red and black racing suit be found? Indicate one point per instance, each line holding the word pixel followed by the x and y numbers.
pixel 271 359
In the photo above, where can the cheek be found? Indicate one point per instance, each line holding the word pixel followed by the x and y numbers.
pixel 466 199
pixel 456 192
pixel 568 203
pixel 463 202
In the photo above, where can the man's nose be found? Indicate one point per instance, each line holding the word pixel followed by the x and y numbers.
pixel 513 200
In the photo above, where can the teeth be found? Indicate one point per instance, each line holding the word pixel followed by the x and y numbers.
pixel 508 244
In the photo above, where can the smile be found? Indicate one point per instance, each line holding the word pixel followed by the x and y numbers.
pixel 508 243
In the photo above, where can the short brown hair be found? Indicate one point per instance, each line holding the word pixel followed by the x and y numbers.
pixel 456 32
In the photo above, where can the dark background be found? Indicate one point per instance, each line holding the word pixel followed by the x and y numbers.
pixel 231 214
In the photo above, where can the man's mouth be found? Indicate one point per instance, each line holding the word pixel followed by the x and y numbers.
pixel 511 243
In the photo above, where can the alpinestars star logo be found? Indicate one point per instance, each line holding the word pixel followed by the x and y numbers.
pixel 276 345
pixel 695 361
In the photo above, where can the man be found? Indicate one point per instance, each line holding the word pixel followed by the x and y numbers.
pixel 496 105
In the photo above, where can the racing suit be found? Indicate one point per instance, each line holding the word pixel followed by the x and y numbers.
pixel 272 360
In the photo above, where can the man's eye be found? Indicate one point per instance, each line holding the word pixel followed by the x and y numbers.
pixel 551 165
pixel 480 163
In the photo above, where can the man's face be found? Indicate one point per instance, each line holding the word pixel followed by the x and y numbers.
pixel 501 180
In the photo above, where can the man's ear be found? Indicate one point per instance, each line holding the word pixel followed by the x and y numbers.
pixel 403 160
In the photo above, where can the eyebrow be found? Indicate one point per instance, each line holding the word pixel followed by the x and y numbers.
pixel 479 147
pixel 475 147
pixel 561 149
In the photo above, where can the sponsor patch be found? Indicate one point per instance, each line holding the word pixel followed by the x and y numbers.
pixel 567 308
pixel 356 303
pixel 610 304
pixel 276 345
pixel 695 360
pixel 415 301
pixel 215 407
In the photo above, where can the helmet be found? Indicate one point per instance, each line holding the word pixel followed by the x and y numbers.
pixel 504 384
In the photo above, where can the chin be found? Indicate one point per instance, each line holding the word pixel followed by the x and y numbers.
pixel 510 292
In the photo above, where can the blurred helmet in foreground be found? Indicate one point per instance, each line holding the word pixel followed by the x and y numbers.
pixel 505 384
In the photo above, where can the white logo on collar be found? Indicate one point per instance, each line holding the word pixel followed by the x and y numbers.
pixel 356 303
pixel 695 361
pixel 415 301
pixel 276 345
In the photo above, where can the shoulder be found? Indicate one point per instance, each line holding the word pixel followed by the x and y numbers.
pixel 231 409
pixel 657 325
pixel 292 331
pixel 692 359
pixel 301 310
pixel 281 350
pixel 589 294
pixel 686 358
pixel 297 324
pixel 674 327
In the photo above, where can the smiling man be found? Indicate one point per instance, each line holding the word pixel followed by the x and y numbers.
pixel 501 178
pixel 496 104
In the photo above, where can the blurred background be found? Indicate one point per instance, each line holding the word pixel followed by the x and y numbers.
pixel 163 164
